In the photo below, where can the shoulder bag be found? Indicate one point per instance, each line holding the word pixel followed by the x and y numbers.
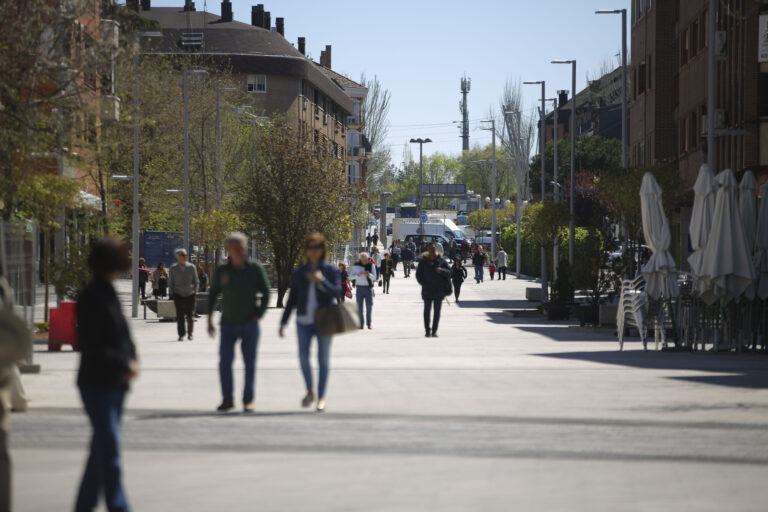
pixel 337 319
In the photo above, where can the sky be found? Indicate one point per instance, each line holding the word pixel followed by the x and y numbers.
pixel 420 49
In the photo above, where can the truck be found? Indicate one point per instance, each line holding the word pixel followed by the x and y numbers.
pixel 403 228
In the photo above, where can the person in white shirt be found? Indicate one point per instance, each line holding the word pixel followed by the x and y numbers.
pixel 364 275
pixel 501 263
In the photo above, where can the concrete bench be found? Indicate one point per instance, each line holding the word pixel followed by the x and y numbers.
pixel 533 294
pixel 166 310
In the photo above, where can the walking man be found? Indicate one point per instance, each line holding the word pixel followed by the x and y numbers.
pixel 364 274
pixel 244 289
pixel 407 255
pixel 387 271
pixel 501 263
pixel 183 283
pixel 478 260
pixel 433 274
pixel 375 239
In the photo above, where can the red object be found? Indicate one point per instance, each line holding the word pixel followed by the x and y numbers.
pixel 62 326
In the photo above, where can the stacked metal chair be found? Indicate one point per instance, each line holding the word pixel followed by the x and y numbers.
pixel 633 304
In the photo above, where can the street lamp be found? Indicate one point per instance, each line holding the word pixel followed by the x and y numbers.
pixel 624 102
pixel 519 202
pixel 135 228
pixel 220 172
pixel 187 72
pixel 571 225
pixel 493 187
pixel 421 143
pixel 542 147
pixel 383 217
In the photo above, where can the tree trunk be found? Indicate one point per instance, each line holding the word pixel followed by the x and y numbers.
pixel 46 273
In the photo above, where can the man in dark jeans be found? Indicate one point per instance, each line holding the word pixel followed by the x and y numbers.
pixel 433 273
pixel 183 283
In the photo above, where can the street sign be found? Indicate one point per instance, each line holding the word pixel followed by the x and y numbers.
pixel 423 217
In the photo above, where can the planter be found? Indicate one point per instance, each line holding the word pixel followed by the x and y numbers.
pixel 587 314
pixel 533 294
pixel 608 313
pixel 556 310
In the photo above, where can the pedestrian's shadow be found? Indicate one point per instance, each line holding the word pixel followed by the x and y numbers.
pixel 725 369
pixel 495 304
pixel 166 415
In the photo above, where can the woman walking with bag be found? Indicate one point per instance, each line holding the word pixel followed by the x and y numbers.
pixel 433 274
pixel 364 274
pixel 458 275
pixel 314 285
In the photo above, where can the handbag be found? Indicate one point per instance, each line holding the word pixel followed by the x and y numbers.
pixel 337 319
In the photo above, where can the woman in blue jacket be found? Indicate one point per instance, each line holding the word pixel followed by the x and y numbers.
pixel 314 285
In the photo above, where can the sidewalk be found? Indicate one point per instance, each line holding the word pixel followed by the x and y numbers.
pixel 497 413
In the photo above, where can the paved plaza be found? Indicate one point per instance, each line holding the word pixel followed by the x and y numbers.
pixel 498 413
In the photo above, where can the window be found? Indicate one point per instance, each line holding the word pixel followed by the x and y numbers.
pixel 684 47
pixel 694 37
pixel 703 30
pixel 648 69
pixel 641 79
pixel 693 130
pixel 257 83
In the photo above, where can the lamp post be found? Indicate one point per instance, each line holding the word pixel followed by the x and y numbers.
pixel 421 143
pixel 542 151
pixel 624 102
pixel 571 225
pixel 135 228
pixel 219 167
pixel 493 187
pixel 383 217
pixel 187 72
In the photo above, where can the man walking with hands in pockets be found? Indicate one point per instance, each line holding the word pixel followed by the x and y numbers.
pixel 244 289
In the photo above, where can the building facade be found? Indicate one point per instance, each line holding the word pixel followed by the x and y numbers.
pixel 278 77
pixel 670 72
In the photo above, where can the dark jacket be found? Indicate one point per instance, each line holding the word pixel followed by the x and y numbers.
pixel 478 259
pixel 103 337
pixel 458 274
pixel 432 283
pixel 406 254
pixel 327 291
pixel 387 267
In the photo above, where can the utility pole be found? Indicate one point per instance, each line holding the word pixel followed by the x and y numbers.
pixel 493 188
pixel 542 152
pixel 466 84
pixel 555 187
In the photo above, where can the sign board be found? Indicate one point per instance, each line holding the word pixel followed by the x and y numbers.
pixel 762 44
pixel 160 246
pixel 424 217
pixel 444 189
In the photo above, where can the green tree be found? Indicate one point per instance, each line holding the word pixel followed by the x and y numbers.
pixel 317 198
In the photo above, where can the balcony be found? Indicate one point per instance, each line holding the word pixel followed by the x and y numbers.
pixel 357 151
pixel 353 121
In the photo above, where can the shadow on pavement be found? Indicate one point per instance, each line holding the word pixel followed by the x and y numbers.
pixel 496 304
pixel 733 370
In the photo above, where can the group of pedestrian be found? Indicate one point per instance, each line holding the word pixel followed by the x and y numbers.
pixel 159 278
pixel 371 240
pixel 108 363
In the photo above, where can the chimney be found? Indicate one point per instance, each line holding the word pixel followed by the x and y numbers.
pixel 267 21
pixel 280 25
pixel 257 15
pixel 303 45
pixel 328 56
pixel 322 58
pixel 145 5
pixel 562 98
pixel 189 5
pixel 226 10
pixel 132 4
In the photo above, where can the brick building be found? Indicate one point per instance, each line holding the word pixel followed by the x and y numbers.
pixel 669 95
pixel 279 77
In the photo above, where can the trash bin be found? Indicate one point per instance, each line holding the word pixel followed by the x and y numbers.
pixel 62 326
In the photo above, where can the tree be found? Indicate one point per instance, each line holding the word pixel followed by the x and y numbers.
pixel 481 219
pixel 374 112
pixel 45 198
pixel 476 170
pixel 293 187
pixel 516 134
pixel 47 99
pixel 212 228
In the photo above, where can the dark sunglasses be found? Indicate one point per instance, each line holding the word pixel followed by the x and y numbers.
pixel 314 246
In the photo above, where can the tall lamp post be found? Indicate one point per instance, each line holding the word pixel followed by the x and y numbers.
pixel 219 166
pixel 135 242
pixel 542 152
pixel 571 226
pixel 421 143
pixel 493 187
pixel 187 72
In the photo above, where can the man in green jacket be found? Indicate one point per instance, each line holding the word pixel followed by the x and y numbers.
pixel 244 289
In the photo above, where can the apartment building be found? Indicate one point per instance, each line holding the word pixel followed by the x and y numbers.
pixel 279 77
pixel 670 71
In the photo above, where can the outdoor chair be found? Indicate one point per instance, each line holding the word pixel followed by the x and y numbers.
pixel 631 311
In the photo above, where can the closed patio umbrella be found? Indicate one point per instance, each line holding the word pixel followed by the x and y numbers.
pixel 761 244
pixel 747 211
pixel 727 264
pixel 701 218
pixel 660 271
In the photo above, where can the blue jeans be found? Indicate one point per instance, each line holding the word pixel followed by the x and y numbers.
pixel 104 406
pixel 323 355
pixel 364 294
pixel 249 334
pixel 428 305
pixel 478 273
